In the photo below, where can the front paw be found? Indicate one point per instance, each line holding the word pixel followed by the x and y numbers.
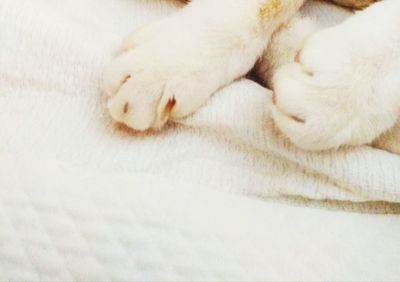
pixel 169 69
pixel 156 77
pixel 339 91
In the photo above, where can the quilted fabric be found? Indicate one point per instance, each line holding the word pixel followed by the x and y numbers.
pixel 87 227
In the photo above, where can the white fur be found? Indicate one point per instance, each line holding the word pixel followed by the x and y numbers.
pixel 284 46
pixel 346 86
pixel 186 58
pixel 345 89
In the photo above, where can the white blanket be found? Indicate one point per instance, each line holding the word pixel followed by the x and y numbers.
pixel 76 191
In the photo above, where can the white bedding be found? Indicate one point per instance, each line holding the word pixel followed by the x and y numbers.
pixel 81 199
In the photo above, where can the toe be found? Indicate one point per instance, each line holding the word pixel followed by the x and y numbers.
pixel 136 103
pixel 118 73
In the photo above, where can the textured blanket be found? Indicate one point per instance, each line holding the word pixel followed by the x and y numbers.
pixel 81 198
pixel 52 108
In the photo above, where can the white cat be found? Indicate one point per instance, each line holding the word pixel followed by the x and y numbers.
pixel 342 88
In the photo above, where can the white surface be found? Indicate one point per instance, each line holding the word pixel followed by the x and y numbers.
pixel 137 227
pixel 82 200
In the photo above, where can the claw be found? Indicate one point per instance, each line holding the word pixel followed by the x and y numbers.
pixel 297 57
pixel 169 107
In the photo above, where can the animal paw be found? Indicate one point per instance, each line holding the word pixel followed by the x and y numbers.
pixel 169 69
pixel 343 87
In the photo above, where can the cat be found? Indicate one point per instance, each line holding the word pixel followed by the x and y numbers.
pixel 341 88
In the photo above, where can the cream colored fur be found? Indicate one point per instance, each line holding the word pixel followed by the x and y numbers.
pixel 182 60
pixel 343 89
